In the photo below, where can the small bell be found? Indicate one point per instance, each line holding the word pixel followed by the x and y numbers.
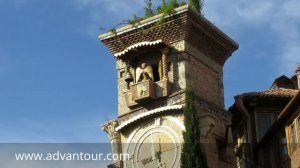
pixel 129 77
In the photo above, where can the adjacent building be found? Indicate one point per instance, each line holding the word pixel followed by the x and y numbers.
pixel 266 125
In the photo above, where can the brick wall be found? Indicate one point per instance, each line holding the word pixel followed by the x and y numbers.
pixel 205 79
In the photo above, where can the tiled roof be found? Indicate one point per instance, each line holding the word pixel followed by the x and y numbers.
pixel 272 93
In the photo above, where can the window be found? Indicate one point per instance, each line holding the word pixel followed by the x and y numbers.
pixel 264 122
pixel 156 73
pixel 298 129
pixel 283 144
pixel 292 140
pixel 293 135
pixel 222 154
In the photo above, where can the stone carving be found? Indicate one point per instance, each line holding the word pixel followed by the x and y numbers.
pixel 142 89
pixel 157 122
pixel 110 127
pixel 143 73
pixel 179 46
pixel 120 64
pixel 114 136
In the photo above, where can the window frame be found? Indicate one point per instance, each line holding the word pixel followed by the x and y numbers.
pixel 298 129
pixel 284 151
pixel 296 126
pixel 272 114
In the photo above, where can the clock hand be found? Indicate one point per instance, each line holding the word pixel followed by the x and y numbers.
pixel 152 149
pixel 147 160
pixel 158 153
pixel 160 164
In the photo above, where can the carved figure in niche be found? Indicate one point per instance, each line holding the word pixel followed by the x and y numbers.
pixel 143 73
pixel 142 90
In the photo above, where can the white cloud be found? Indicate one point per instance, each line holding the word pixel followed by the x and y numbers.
pixel 110 9
pixel 107 13
pixel 254 12
pixel 291 8
pixel 280 18
pixel 289 59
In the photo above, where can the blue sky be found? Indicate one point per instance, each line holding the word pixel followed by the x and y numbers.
pixel 58 82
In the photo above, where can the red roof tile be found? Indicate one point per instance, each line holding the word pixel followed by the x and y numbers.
pixel 272 93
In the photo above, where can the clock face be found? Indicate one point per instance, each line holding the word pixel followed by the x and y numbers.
pixel 156 144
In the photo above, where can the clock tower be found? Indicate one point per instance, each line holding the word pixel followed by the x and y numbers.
pixel 156 62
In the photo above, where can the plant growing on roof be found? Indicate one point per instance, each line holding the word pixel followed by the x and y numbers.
pixel 148 9
pixel 197 5
pixel 167 7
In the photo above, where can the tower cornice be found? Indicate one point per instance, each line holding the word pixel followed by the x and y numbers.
pixel 184 24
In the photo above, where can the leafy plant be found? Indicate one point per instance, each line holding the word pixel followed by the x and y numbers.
pixel 134 21
pixel 191 156
pixel 197 5
pixel 148 9
pixel 167 7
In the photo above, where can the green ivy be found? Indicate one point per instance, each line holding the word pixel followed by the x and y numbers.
pixel 192 155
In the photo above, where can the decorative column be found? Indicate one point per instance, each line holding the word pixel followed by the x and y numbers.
pixel 114 137
pixel 165 52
